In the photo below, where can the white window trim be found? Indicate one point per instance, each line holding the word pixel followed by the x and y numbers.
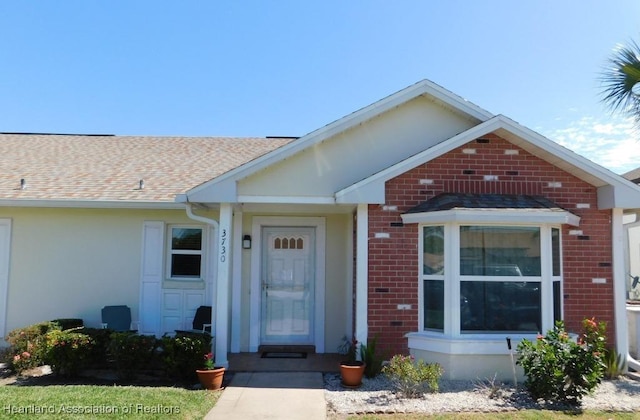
pixel 182 281
pixel 452 279
pixel 508 216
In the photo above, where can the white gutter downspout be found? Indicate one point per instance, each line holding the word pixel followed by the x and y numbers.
pixel 216 226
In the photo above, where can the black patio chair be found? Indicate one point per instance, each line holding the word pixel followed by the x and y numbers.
pixel 117 318
pixel 201 322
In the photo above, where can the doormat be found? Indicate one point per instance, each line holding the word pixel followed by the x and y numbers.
pixel 284 355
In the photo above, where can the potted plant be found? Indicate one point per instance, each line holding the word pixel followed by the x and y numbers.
pixel 351 369
pixel 211 376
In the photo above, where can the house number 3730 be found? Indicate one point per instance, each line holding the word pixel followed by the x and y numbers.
pixel 223 245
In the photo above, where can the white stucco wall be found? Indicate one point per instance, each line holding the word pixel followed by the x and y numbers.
pixel 359 152
pixel 69 263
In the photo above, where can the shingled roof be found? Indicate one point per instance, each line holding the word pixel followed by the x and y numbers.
pixel 109 168
pixel 448 201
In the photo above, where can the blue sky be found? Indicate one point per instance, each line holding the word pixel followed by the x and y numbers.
pixel 259 68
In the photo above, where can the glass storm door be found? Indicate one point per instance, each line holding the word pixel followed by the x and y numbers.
pixel 287 285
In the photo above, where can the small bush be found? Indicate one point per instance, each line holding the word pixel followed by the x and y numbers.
pixel 130 352
pixel 371 358
pixel 67 352
pixel 614 363
pixel 5 355
pixel 183 354
pixel 101 338
pixel 561 370
pixel 23 361
pixel 69 323
pixel 27 345
pixel 491 387
pixel 412 379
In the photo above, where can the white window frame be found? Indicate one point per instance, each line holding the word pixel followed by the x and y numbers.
pixel 452 278
pixel 170 251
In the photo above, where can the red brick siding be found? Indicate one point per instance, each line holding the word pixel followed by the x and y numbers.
pixel 393 262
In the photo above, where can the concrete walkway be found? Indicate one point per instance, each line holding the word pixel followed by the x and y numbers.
pixel 272 395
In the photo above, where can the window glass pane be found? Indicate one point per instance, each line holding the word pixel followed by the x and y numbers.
pixel 434 305
pixel 499 251
pixel 185 265
pixel 184 238
pixel 557 302
pixel 555 251
pixel 433 248
pixel 500 306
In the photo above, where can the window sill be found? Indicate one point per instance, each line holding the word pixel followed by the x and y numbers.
pixel 465 345
pixel 183 284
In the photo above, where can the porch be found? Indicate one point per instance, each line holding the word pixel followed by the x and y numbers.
pixel 313 362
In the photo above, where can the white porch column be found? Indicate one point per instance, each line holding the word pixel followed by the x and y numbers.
pixel 362 272
pixel 223 285
pixel 236 283
pixel 619 282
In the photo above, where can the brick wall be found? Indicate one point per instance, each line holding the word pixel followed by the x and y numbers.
pixel 393 262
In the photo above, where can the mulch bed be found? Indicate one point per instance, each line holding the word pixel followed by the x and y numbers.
pixel 42 376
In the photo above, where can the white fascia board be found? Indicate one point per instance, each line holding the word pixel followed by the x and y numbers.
pixel 354 119
pixel 453 100
pixel 92 204
pixel 369 193
pixel 628 197
pixel 515 216
pixel 222 192
pixel 621 196
pixel 352 193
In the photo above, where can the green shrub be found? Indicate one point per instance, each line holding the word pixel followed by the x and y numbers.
pixel 27 345
pixel 371 358
pixel 69 323
pixel 562 370
pixel 183 354
pixel 130 352
pixel 67 352
pixel 101 338
pixel 614 363
pixel 412 379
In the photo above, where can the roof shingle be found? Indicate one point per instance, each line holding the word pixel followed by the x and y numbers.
pixel 449 201
pixel 109 168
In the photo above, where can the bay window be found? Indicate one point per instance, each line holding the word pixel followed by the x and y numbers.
pixel 489 278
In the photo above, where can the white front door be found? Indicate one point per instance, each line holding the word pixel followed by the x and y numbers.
pixel 288 285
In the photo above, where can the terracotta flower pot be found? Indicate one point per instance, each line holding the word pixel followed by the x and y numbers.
pixel 351 373
pixel 212 378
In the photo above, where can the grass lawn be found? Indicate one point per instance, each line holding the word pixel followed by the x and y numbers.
pixel 99 401
pixel 524 414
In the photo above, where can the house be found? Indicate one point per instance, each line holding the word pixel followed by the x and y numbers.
pixel 632 240
pixel 421 219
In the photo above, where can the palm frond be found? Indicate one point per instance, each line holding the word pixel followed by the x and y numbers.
pixel 621 80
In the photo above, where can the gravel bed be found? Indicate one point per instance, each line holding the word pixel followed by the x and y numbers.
pixel 376 396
